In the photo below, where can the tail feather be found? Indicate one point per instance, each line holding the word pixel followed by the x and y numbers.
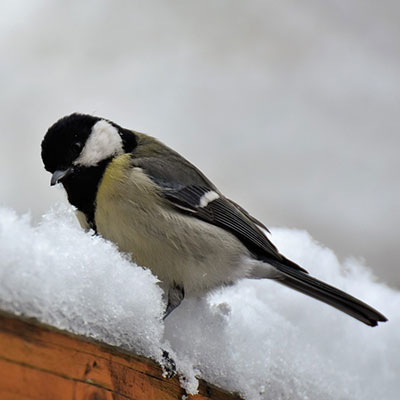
pixel 304 283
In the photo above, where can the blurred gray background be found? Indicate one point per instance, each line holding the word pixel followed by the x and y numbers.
pixel 291 108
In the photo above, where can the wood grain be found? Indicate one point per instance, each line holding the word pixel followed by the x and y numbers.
pixel 39 362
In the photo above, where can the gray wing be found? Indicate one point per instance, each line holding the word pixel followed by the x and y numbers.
pixel 190 192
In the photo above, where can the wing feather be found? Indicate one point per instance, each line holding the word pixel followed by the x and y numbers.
pixel 195 195
pixel 223 213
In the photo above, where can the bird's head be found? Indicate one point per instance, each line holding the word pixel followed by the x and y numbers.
pixel 78 142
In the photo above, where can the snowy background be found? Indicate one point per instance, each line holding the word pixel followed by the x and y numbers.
pixel 291 108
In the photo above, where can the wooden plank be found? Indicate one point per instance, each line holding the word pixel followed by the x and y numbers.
pixel 40 362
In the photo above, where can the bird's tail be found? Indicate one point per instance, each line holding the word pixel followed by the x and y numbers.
pixel 299 280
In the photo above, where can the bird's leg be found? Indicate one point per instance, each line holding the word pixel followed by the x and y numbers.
pixel 175 295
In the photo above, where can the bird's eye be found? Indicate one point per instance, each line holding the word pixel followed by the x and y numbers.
pixel 77 147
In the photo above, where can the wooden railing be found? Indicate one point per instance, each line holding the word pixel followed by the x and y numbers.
pixel 39 362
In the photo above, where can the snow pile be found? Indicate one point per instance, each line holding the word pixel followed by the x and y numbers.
pixel 78 282
pixel 258 338
pixel 279 344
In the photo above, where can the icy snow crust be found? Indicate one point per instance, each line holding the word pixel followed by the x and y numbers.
pixel 257 338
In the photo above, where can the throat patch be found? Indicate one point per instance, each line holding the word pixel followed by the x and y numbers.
pixel 81 188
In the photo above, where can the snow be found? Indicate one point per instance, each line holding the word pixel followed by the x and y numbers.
pixel 77 282
pixel 256 338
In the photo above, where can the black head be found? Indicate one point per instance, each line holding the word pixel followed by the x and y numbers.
pixel 65 139
pixel 83 140
pixel 77 149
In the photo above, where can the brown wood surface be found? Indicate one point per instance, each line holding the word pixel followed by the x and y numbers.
pixel 38 362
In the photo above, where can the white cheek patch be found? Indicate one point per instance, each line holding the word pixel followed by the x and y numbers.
pixel 104 141
pixel 208 198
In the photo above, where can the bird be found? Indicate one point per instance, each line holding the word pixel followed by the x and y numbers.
pixel 131 189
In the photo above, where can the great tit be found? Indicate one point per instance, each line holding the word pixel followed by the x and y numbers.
pixel 159 208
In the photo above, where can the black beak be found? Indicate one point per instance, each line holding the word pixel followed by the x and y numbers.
pixel 59 174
